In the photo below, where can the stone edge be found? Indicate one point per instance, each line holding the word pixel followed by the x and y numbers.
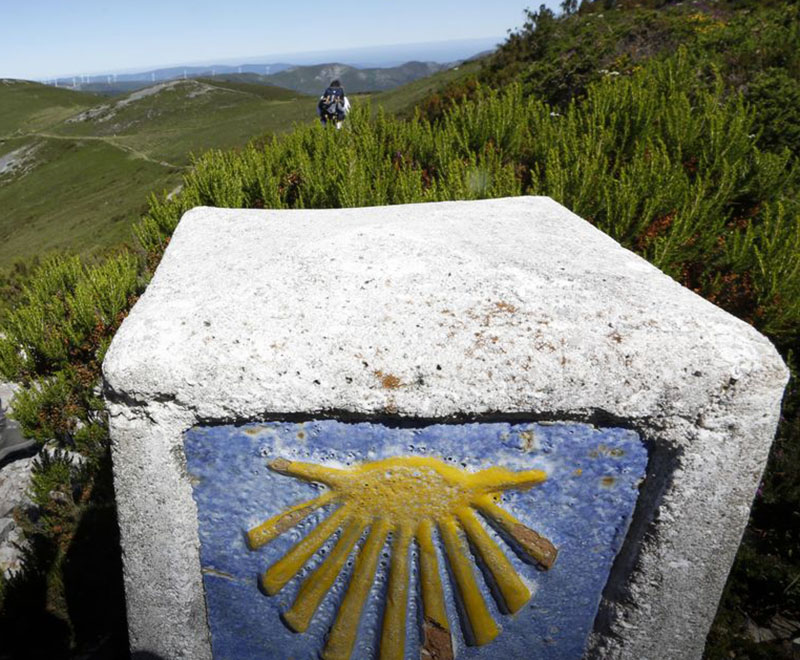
pixel 682 541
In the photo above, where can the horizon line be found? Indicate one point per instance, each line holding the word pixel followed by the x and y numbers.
pixel 254 59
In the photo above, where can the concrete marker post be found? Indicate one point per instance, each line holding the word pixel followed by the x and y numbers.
pixel 442 318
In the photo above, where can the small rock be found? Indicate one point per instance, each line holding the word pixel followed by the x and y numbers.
pixel 784 628
pixel 6 525
pixel 58 496
pixel 14 481
pixel 12 442
pixel 7 392
pixel 10 555
pixel 759 634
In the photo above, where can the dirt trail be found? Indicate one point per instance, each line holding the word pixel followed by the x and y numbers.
pixel 108 140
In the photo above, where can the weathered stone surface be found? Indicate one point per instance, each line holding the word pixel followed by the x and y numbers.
pixel 14 481
pixel 7 391
pixel 10 555
pixel 15 476
pixel 501 309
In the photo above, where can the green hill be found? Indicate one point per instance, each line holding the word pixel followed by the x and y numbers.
pixel 314 79
pixel 252 83
pixel 76 195
pixel 113 88
pixel 76 169
pixel 29 106
pixel 403 99
pixel 751 45
pixel 169 121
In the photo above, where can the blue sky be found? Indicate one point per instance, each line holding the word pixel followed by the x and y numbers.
pixel 45 38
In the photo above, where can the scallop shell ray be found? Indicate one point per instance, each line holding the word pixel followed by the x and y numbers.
pixel 406 498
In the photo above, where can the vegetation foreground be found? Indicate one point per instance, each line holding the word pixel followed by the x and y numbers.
pixel 663 153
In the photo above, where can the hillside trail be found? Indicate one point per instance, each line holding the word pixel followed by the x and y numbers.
pixel 113 141
pixel 108 140
pixel 231 89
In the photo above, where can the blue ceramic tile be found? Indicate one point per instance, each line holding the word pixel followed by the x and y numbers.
pixel 583 507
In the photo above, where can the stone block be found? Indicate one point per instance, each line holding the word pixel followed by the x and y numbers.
pixel 466 428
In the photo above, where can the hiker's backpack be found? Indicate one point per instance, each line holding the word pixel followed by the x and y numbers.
pixel 333 101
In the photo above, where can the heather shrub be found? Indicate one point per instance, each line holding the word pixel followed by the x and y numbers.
pixel 669 167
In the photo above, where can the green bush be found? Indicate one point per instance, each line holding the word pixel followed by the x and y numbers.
pixel 50 410
pixel 12 282
pixel 776 94
pixel 69 594
pixel 69 312
pixel 664 164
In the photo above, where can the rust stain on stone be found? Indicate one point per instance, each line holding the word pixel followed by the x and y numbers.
pixel 388 381
pixel 279 465
pixel 436 642
pixel 536 545
pixel 290 521
pixel 505 307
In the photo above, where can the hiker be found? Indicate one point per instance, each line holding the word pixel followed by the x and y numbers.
pixel 333 105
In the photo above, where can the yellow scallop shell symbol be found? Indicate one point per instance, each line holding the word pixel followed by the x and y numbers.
pixel 406 497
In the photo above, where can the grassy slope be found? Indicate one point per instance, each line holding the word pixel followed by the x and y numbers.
pixel 28 106
pixel 401 100
pixel 91 178
pixel 114 89
pixel 191 116
pixel 89 181
pixel 253 84
pixel 82 195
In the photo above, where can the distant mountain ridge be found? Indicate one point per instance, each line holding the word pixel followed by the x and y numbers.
pixel 308 79
pixel 168 73
pixel 314 79
pixel 361 57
